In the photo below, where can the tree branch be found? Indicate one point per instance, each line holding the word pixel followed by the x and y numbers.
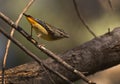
pixel 98 54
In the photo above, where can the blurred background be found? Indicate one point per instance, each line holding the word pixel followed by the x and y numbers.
pixel 61 13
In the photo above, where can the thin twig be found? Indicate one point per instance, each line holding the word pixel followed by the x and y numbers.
pixel 36 58
pixel 81 19
pixel 45 50
pixel 110 4
pixel 9 42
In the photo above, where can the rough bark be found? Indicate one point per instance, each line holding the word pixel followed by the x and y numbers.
pixel 95 55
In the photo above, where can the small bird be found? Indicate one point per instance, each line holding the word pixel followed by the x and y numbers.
pixel 45 30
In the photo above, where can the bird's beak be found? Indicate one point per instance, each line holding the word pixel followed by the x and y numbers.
pixel 25 15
